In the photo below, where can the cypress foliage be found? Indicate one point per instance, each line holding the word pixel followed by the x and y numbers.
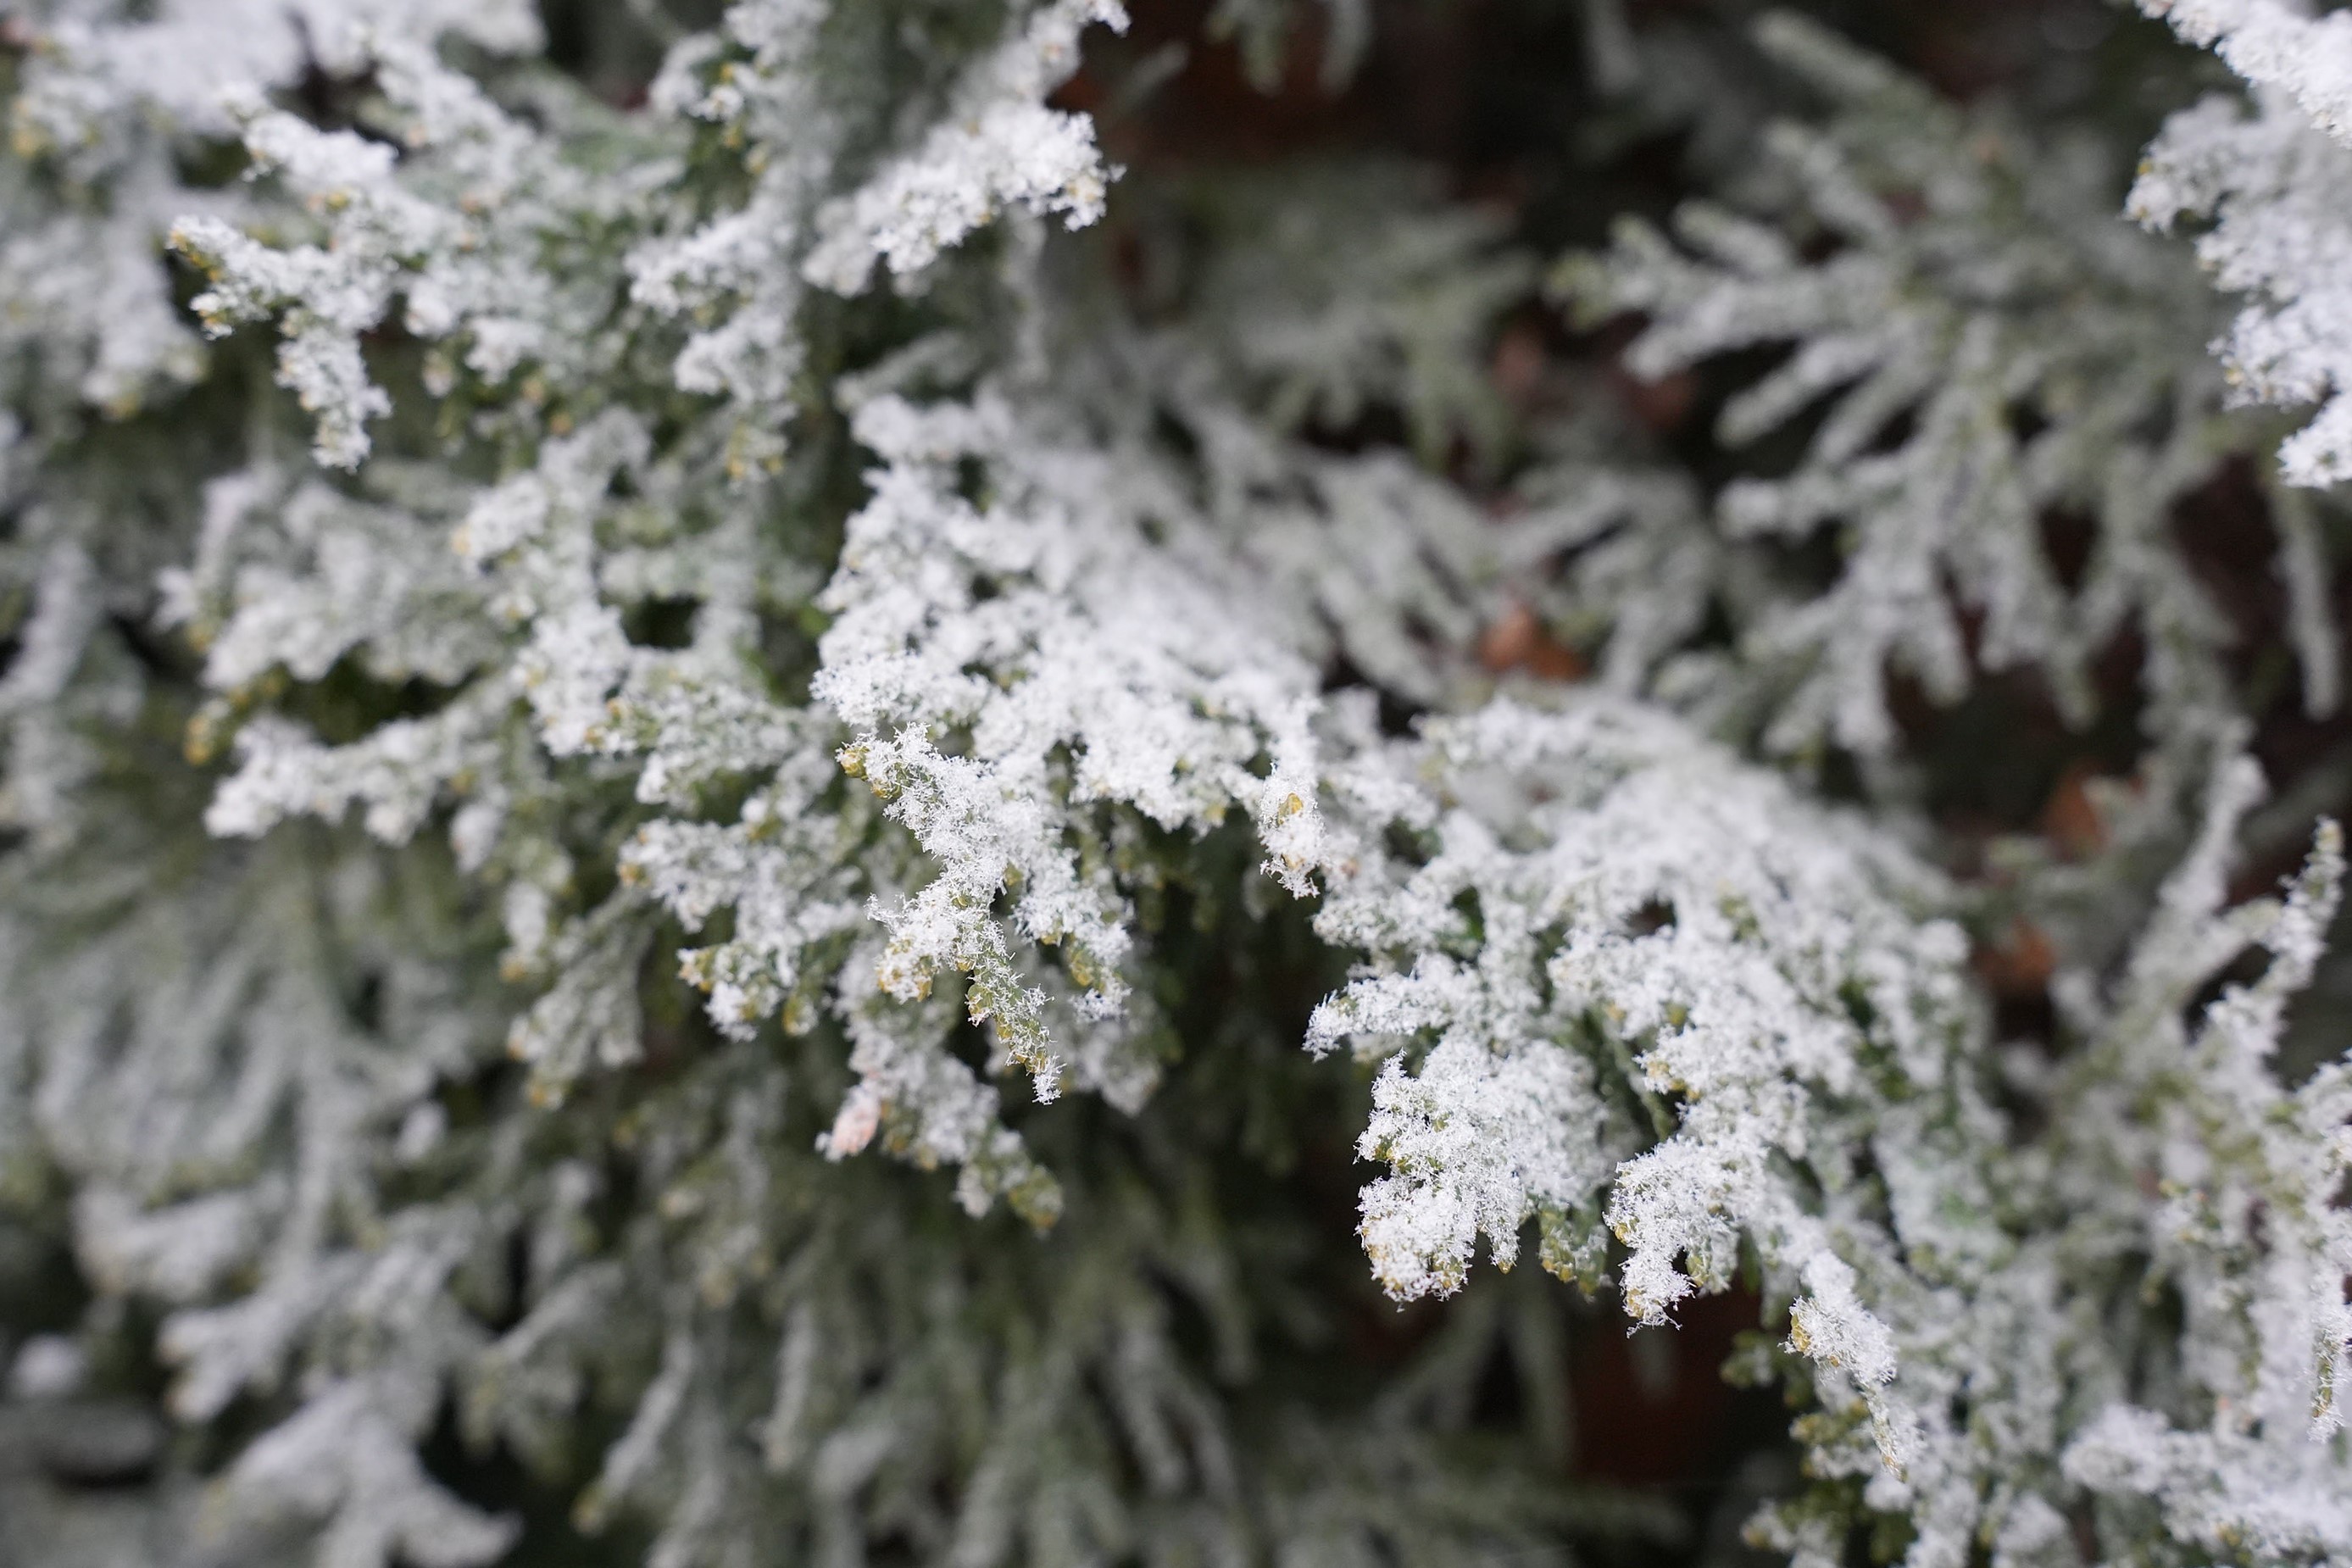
pixel 898 782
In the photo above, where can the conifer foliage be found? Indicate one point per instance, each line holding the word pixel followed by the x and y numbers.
pixel 755 767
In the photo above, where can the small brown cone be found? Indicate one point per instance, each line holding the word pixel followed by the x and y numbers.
pixel 1517 640
pixel 2021 963
pixel 2070 818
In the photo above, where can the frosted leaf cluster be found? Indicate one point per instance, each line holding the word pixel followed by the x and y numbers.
pixel 673 650
pixel 2268 178
pixel 2246 1230
pixel 1698 960
pixel 997 146
pixel 1970 340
